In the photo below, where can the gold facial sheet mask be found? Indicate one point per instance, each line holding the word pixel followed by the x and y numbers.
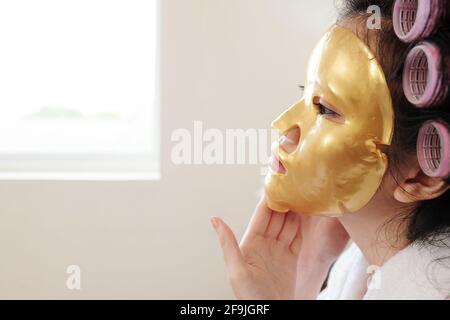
pixel 337 165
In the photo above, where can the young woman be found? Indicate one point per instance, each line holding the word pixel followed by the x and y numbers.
pixel 347 168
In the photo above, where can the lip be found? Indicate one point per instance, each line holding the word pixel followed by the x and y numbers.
pixel 276 165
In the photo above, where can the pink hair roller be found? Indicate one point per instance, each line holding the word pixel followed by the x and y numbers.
pixel 433 149
pixel 423 79
pixel 417 19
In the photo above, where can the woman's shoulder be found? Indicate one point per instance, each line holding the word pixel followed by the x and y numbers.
pixel 419 272
pixel 348 276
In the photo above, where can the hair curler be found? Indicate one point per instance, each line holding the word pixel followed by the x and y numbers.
pixel 423 78
pixel 433 149
pixel 417 19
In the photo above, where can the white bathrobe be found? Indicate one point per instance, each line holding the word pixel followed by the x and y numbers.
pixel 415 273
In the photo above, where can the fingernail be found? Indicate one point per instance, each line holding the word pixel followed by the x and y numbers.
pixel 214 222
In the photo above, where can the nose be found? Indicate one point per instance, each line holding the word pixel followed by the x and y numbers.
pixel 290 140
pixel 288 125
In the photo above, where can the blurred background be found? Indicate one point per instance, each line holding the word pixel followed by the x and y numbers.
pixel 92 92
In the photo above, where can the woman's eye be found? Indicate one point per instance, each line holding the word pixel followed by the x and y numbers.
pixel 325 111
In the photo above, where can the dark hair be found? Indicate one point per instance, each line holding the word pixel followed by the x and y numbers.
pixel 428 221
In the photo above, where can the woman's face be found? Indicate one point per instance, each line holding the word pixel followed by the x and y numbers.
pixel 328 160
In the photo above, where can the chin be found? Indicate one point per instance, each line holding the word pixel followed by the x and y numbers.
pixel 273 199
pixel 276 206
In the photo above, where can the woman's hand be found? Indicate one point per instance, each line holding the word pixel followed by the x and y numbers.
pixel 264 267
pixel 323 240
pixel 282 256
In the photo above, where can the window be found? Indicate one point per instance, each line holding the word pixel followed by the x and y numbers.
pixel 78 89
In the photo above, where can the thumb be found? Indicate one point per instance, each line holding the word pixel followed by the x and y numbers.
pixel 230 247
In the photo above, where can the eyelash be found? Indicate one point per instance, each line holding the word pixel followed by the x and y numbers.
pixel 324 110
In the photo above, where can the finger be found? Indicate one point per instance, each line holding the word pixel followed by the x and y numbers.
pixel 275 225
pixel 289 229
pixel 230 247
pixel 260 219
pixel 297 241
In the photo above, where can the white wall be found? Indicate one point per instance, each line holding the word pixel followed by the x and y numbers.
pixel 231 64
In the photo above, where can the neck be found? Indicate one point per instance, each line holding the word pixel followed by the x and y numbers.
pixel 375 231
